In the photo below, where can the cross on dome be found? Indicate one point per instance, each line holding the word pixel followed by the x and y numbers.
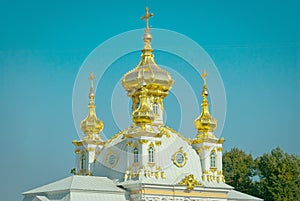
pixel 203 76
pixel 146 17
pixel 91 78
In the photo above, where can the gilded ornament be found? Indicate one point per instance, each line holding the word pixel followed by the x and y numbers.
pixel 179 158
pixel 190 181
pixel 213 169
pixel 143 141
pixel 111 159
pixel 90 149
pixel 129 143
pixel 162 175
pixel 220 141
pixel 143 114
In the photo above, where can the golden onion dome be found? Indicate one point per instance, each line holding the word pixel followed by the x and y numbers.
pixel 91 125
pixel 205 122
pixel 147 72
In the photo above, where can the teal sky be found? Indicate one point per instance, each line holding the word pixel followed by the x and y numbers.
pixel 255 45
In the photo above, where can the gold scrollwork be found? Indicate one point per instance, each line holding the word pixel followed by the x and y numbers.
pixel 190 181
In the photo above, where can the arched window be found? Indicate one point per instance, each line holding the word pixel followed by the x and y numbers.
pixel 213 160
pixel 135 155
pixel 82 160
pixel 155 108
pixel 151 155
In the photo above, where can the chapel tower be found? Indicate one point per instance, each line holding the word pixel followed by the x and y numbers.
pixel 88 148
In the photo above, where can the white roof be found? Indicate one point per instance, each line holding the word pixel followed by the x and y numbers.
pixel 76 182
pixel 239 196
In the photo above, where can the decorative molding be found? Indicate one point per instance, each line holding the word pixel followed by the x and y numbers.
pixel 90 149
pixel 143 141
pixel 111 159
pixel 190 181
pixel 129 143
pixel 179 158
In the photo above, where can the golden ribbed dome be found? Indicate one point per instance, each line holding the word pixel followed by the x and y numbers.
pixel 91 125
pixel 147 72
pixel 205 122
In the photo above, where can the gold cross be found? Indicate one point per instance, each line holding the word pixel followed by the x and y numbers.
pixel 91 78
pixel 204 75
pixel 146 17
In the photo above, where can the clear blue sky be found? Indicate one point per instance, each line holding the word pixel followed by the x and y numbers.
pixel 254 44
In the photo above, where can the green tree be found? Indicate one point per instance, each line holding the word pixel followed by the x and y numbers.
pixel 279 175
pixel 239 170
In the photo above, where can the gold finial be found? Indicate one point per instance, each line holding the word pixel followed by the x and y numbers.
pixel 91 125
pixel 203 76
pixel 146 17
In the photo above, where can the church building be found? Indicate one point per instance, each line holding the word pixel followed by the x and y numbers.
pixel 147 161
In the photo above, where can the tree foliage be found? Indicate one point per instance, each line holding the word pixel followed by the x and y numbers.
pixel 238 169
pixel 279 175
pixel 274 176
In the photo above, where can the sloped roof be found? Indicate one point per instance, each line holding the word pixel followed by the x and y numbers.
pixel 76 182
pixel 239 196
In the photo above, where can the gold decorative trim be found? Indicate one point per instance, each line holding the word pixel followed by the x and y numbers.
pixel 143 141
pixel 151 145
pixel 219 149
pixel 220 141
pixel 111 153
pixel 193 194
pixel 157 143
pixel 129 144
pixel 190 181
pixel 206 147
pixel 77 151
pixel 77 143
pixel 85 142
pixel 213 169
pixel 176 162
pixel 90 149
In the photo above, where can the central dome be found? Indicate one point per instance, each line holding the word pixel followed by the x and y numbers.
pixel 147 73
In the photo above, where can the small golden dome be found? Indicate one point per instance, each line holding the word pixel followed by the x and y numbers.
pixel 147 72
pixel 205 122
pixel 143 114
pixel 91 125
